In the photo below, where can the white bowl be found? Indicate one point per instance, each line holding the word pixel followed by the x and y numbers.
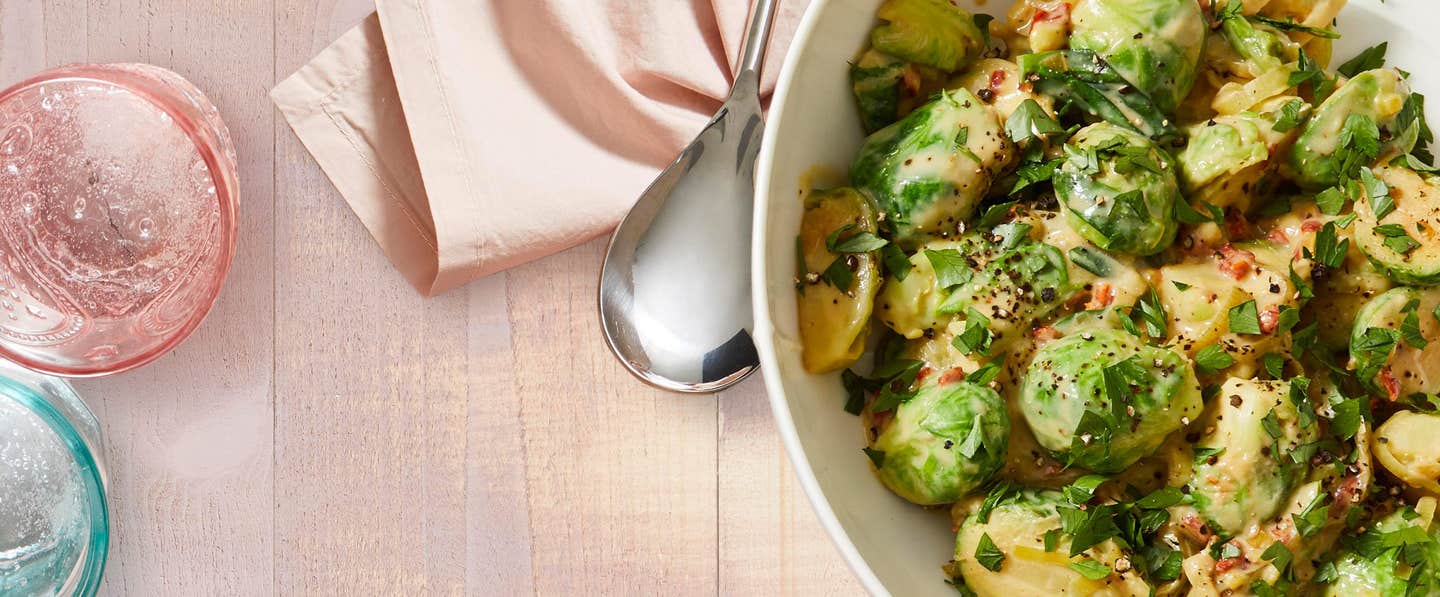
pixel 893 546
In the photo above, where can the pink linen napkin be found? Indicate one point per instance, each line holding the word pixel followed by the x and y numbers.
pixel 470 137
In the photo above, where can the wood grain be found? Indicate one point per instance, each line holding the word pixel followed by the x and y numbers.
pixel 330 432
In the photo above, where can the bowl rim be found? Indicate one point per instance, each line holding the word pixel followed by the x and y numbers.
pixel 212 144
pixel 764 327
pixel 89 569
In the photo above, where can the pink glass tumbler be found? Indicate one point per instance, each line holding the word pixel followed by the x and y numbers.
pixel 118 201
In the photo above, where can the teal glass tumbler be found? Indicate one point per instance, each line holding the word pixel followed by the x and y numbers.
pixel 54 521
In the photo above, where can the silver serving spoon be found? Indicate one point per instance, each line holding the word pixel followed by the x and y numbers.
pixel 675 287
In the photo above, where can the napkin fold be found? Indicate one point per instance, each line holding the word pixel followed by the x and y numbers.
pixel 470 137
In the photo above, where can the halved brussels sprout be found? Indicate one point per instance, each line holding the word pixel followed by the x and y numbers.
pixel 1119 189
pixel 935 33
pixel 1317 159
pixel 1405 242
pixel 1406 446
pixel 998 82
pixel 1401 368
pixel 1009 280
pixel 887 88
pixel 1262 47
pixel 929 171
pixel 943 443
pixel 1154 44
pixel 1371 567
pixel 1017 527
pixel 1199 305
pixel 1249 472
pixel 1227 158
pixel 878 81
pixel 834 321
pixel 1103 399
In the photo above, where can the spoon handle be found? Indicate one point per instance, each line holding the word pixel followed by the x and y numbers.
pixel 757 38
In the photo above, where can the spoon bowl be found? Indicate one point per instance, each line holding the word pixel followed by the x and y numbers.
pixel 675 285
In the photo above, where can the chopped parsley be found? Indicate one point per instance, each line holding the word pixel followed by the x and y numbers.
pixel 877 457
pixel 1245 318
pixel 1090 569
pixel 988 555
pixel 1213 358
pixel 1370 58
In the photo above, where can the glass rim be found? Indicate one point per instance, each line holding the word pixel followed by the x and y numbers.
pixel 226 194
pixel 97 549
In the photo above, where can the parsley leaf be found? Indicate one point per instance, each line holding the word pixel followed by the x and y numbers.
pixel 1245 318
pixel 1161 498
pixel 1329 251
pixel 1083 489
pixel 1271 424
pixel 1313 518
pixel 1289 24
pixel 877 457
pixel 1051 540
pixel 988 555
pixel 1181 286
pixel 1029 121
pixel 977 336
pixel 1213 358
pixel 1309 71
pixel 863 242
pixel 1274 365
pixel 984 375
pixel 1090 261
pixel 1001 490
pixel 1372 57
pixel 1289 317
pixel 950 267
pixel 833 239
pixel 895 261
pixel 1090 569
pixel 1358 143
pixel 855 390
pixel 1152 313
pixel 1396 238
pixel 1347 418
pixel 1279 556
pixel 1378 193
pixel 839 274
pixel 1300 397
pixel 994 214
pixel 1331 201
pixel 1290 116
pixel 1410 326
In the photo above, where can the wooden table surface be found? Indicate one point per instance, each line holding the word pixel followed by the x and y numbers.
pixel 329 431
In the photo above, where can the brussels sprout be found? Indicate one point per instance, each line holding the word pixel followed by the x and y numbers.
pixel 930 170
pixel 1372 564
pixel 1404 241
pixel 998 82
pixel 1262 47
pixel 1010 281
pixel 935 33
pixel 1119 189
pixel 1103 399
pixel 878 81
pixel 1405 445
pixel 1017 527
pixel 943 443
pixel 1402 359
pixel 1226 159
pixel 1154 44
pixel 1250 472
pixel 834 320
pixel 1378 97
pixel 887 88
